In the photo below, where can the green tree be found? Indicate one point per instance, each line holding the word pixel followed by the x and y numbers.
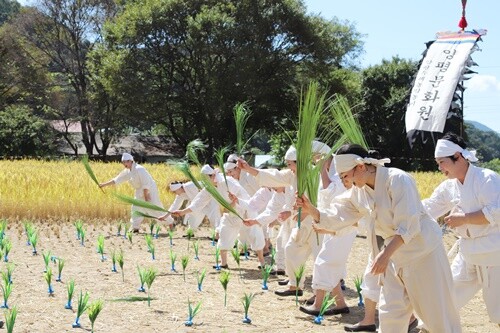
pixel 184 64
pixel 8 8
pixel 24 134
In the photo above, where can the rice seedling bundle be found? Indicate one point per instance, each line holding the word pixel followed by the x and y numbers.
pixel 224 281
pixel 246 301
pixel 93 311
pixel 299 274
pixel 10 319
pixel 327 302
pixel 200 277
pixel 358 280
pixel 70 287
pixel 82 307
pixel 192 312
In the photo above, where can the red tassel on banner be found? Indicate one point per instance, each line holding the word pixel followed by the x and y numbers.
pixel 463 23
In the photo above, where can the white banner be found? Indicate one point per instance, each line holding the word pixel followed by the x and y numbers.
pixel 441 70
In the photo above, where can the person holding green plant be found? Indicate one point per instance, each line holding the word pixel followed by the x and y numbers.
pixel 144 186
pixel 184 191
pixel 421 278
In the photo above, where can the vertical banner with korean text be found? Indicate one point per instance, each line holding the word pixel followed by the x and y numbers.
pixel 442 68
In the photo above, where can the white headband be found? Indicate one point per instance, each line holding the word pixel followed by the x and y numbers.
pixel 207 170
pixel 175 186
pixel 346 162
pixel 233 158
pixel 320 147
pixel 229 166
pixel 127 157
pixel 445 148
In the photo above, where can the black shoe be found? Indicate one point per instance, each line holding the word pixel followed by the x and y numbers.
pixel 283 282
pixel 242 254
pixel 278 272
pixel 134 231
pixel 288 292
pixel 309 311
pixel 332 312
pixel 221 266
pixel 360 328
pixel 413 324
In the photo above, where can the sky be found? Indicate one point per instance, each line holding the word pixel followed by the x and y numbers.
pixel 401 28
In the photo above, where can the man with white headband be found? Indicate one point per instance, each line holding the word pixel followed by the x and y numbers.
pixel 471 195
pixel 144 186
pixel 420 277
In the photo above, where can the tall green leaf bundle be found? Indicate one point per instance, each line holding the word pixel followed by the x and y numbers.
pixel 241 116
pixel 139 203
pixel 219 155
pixel 347 121
pixel 193 148
pixel 207 183
pixel 186 171
pixel 86 164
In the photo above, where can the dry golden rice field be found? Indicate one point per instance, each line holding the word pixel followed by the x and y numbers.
pixel 54 195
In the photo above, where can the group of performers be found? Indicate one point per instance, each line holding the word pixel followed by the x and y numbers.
pixel 407 273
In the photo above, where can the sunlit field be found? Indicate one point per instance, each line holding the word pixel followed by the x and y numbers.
pixel 32 189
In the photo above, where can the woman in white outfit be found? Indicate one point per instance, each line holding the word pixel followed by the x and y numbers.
pixel 144 186
pixel 186 191
pixel 412 241
pixel 472 194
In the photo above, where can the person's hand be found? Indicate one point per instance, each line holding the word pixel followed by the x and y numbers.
pixel 163 217
pixel 101 185
pixel 455 220
pixel 233 198
pixel 177 213
pixel 250 222
pixel 242 164
pixel 284 215
pixel 380 263
pixel 304 203
pixel 322 231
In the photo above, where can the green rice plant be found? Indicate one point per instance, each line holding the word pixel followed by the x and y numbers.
pixel 70 287
pixel 327 302
pixel 150 244
pixel 246 300
pixel 273 256
pixel 113 261
pixel 83 232
pixel 48 279
pixel 120 260
pixel 184 263
pixel 130 235
pixel 79 226
pixel 150 275
pixel 142 277
pixel 217 257
pixel 343 115
pixel 34 241
pixel 10 319
pixel 60 266
pixel 189 235
pixel 29 229
pixel 46 259
pixel 82 307
pixel 196 247
pixel 171 236
pixel 173 258
pixel 6 289
pixel 86 164
pixel 184 168
pixel 212 236
pixel 312 106
pixel 120 227
pixel 7 246
pixel 299 273
pixel 157 231
pixel 100 246
pixel 93 311
pixel 192 312
pixel 245 250
pixel 224 281
pixel 236 256
pixel 193 148
pixel 9 270
pixel 200 277
pixel 358 281
pixel 266 271
pixel 209 186
pixel 3 228
pixel 241 115
pixel 312 185
pixel 219 156
pixel 152 224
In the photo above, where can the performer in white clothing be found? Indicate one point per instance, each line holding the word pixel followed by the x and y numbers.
pixel 472 196
pixel 412 241
pixel 144 186
pixel 184 191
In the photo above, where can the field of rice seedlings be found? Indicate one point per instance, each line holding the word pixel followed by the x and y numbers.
pixel 36 189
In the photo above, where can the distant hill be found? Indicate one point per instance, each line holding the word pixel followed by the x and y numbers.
pixel 479 126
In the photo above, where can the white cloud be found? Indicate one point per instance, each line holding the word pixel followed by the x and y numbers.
pixel 483 83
